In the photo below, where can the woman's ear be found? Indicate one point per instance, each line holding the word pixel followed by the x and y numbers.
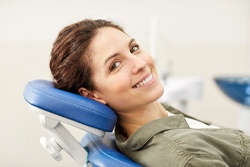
pixel 90 94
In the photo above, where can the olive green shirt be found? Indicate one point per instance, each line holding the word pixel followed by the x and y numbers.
pixel 170 142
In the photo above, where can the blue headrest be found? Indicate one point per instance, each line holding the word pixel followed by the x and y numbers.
pixel 42 94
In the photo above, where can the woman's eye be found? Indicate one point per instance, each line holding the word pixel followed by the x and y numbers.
pixel 115 65
pixel 134 48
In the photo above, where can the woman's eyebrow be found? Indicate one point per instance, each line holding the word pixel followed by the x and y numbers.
pixel 113 55
pixel 131 41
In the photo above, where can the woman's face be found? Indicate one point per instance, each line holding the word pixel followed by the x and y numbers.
pixel 124 75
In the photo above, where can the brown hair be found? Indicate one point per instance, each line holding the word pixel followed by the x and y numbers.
pixel 70 62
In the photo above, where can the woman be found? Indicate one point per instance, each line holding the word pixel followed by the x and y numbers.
pixel 97 59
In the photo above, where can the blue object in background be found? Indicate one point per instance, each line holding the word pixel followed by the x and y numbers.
pixel 236 88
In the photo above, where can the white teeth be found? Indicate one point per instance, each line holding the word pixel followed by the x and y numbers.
pixel 145 81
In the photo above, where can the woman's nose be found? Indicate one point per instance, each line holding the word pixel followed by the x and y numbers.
pixel 138 64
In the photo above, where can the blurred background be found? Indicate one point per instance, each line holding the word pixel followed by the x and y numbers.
pixel 201 38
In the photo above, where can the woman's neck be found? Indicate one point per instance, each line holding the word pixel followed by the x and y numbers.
pixel 134 119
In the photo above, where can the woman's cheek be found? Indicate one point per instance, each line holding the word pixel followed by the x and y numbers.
pixel 120 83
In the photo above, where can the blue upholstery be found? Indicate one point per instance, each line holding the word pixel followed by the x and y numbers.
pixel 42 94
pixel 102 152
pixel 236 88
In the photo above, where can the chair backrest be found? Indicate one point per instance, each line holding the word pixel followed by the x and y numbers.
pixel 56 106
pixel 102 152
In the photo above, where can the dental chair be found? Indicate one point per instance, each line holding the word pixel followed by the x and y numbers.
pixel 97 148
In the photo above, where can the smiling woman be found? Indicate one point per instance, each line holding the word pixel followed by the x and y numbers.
pixel 98 60
pixel 119 66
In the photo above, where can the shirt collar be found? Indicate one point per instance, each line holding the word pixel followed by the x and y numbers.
pixel 147 131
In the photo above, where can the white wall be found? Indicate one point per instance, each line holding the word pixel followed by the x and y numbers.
pixel 203 38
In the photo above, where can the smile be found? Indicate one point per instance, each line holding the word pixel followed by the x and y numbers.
pixel 143 82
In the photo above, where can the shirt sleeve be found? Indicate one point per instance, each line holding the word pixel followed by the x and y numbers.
pixel 206 161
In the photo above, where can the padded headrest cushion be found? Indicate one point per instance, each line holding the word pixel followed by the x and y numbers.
pixel 42 94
